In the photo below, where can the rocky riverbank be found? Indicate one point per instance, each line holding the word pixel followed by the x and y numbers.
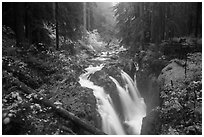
pixel 180 107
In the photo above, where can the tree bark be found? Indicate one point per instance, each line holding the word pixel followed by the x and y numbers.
pixel 89 18
pixel 141 17
pixel 164 21
pixel 59 110
pixel 19 23
pixel 84 16
pixel 57 29
pixel 198 13
pixel 152 23
pixel 28 23
pixel 190 20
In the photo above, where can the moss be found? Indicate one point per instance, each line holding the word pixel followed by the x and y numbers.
pixel 180 107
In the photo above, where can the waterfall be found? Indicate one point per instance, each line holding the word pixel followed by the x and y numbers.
pixel 133 106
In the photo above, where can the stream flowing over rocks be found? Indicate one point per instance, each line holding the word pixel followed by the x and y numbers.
pixel 99 89
pixel 119 102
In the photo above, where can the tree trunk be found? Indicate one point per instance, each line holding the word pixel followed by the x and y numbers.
pixel 198 13
pixel 28 21
pixel 141 16
pixel 152 23
pixel 190 20
pixel 57 29
pixel 89 18
pixel 168 30
pixel 59 110
pixel 164 21
pixel 19 23
pixel 84 17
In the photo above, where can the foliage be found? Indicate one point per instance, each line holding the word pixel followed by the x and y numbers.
pixel 36 22
pixel 151 61
pixel 26 117
pixel 55 73
pixel 153 22
pixel 34 15
pixel 21 115
pixel 70 19
pixel 180 112
pixel 94 41
pixel 181 106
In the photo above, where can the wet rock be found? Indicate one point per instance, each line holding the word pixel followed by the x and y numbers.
pixel 179 92
pixel 101 78
pixel 150 124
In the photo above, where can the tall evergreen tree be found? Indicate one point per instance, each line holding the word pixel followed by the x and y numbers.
pixel 57 28
pixel 145 22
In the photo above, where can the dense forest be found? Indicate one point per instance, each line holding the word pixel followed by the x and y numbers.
pixel 80 68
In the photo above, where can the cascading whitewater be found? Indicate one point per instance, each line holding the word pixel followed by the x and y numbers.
pixel 133 106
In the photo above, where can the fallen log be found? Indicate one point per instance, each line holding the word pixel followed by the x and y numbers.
pixel 61 111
